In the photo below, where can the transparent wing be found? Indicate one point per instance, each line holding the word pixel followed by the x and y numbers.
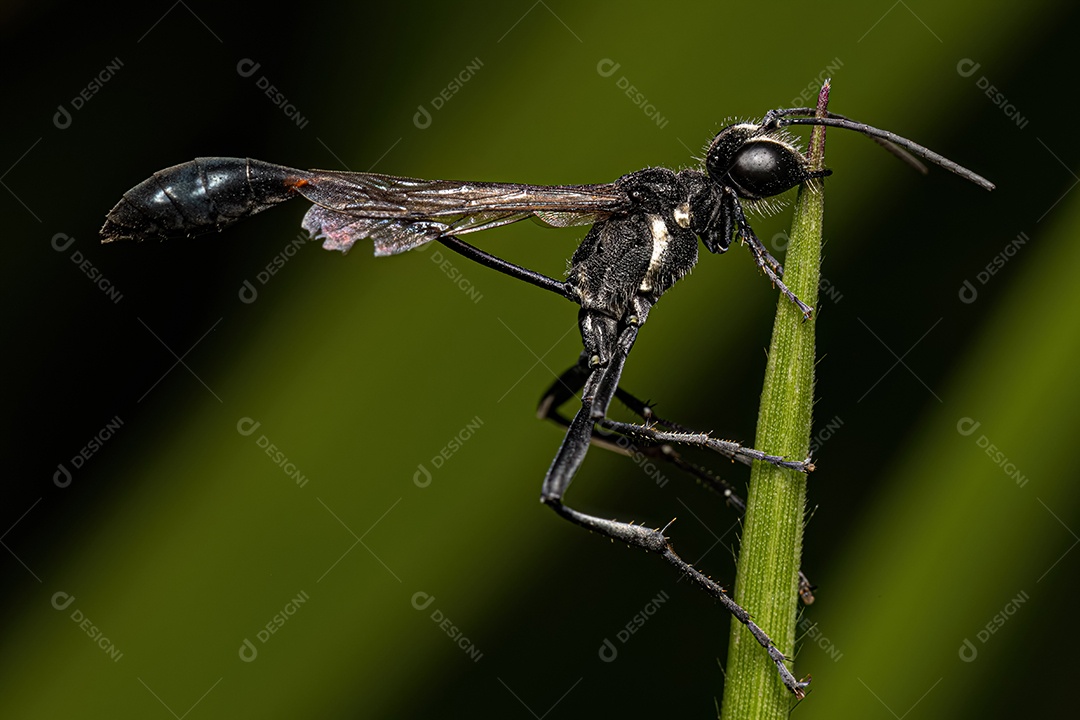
pixel 400 213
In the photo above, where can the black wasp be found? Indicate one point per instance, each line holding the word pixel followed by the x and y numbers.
pixel 643 240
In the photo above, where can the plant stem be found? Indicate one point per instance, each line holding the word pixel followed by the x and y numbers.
pixel 769 558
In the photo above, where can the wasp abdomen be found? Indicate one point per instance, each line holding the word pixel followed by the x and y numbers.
pixel 199 196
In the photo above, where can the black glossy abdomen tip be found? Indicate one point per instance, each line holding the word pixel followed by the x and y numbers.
pixel 199 196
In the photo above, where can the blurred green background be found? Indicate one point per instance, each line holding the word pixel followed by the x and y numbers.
pixel 944 510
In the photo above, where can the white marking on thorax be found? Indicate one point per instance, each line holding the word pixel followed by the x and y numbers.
pixel 682 215
pixel 660 240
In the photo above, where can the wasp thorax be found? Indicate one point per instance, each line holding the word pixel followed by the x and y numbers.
pixel 652 190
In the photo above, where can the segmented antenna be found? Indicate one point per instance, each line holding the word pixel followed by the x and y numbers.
pixel 780 118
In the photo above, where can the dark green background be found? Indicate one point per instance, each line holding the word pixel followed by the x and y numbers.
pixel 179 538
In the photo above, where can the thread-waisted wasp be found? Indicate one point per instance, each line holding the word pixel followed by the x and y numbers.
pixel 643 240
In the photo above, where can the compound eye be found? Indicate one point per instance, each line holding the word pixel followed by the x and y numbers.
pixel 763 168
